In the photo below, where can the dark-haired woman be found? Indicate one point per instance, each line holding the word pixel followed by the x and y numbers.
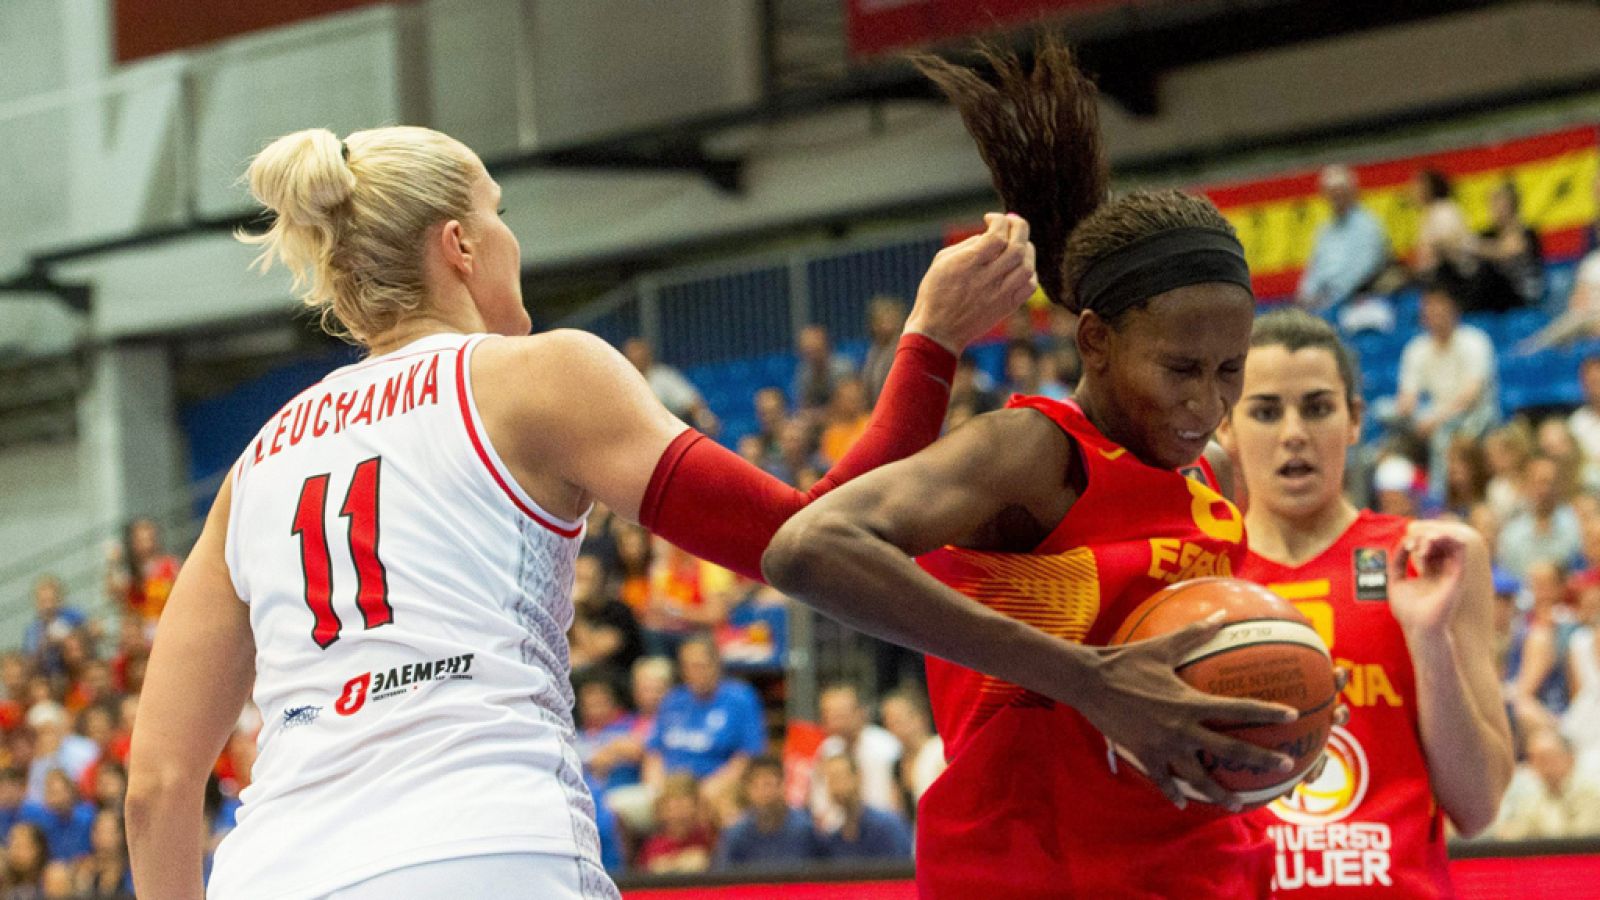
pixel 1446 251
pixel 1065 516
pixel 1406 606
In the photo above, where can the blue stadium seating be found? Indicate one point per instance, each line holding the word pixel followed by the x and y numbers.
pixel 1545 379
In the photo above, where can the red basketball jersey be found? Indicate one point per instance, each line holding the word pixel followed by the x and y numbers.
pixel 1031 806
pixel 1369 826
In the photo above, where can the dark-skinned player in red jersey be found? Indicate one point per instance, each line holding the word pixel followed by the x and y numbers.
pixel 1065 516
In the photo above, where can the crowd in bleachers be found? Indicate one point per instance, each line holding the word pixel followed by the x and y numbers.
pixel 1483 401
pixel 71 695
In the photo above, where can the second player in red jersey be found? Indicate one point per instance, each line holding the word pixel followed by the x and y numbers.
pixel 1405 607
pixel 1062 518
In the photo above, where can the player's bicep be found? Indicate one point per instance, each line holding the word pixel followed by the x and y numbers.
pixel 201 667
pixel 599 420
pixel 959 486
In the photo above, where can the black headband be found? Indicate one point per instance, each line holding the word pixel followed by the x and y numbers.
pixel 1158 263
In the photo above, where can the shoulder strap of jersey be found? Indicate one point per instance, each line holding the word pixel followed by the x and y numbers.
pixel 1066 414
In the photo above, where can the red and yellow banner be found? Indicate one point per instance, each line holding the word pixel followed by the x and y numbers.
pixel 1277 218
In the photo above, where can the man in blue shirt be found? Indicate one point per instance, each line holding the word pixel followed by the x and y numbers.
pixel 709 726
pixel 1349 250
pixel 867 833
pixel 54 618
pixel 771 833
pixel 64 818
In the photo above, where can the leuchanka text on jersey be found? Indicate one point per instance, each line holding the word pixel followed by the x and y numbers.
pixel 328 411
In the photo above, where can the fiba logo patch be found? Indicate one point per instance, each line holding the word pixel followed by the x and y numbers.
pixel 1337 792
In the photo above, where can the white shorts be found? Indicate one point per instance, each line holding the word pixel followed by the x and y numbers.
pixel 543 876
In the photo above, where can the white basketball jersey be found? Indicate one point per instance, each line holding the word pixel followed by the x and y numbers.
pixel 410 604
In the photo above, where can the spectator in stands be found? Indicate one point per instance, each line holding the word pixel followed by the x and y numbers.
pixel 863 831
pixel 1447 382
pixel 634 555
pixel 1581 318
pixel 110 788
pixel 756 634
pixel 686 597
pixel 1547 528
pixel 27 853
pixel 772 410
pixel 846 420
pixel 13 790
pixel 56 748
pixel 1446 247
pixel 1349 251
pixel 140 573
pixel 818 371
pixel 1395 486
pixel 683 841
pixel 99 724
pixel 1585 420
pixel 795 451
pixel 674 391
pixel 651 682
pixel 1507 450
pixel 710 727
pixel 1537 665
pixel 1512 271
pixel 55 882
pixel 607 741
pixel 886 318
pixel 1466 476
pixel 53 619
pixel 905 715
pixel 605 632
pixel 1580 724
pixel 65 819
pixel 105 872
pixel 873 749
pixel 771 833
pixel 16 668
pixel 1549 796
pixel 1025 374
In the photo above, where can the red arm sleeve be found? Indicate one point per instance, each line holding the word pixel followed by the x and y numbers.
pixel 709 501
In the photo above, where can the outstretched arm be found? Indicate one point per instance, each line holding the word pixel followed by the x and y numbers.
pixel 589 415
pixel 849 555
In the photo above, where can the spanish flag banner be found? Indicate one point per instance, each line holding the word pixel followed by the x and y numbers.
pixel 1277 218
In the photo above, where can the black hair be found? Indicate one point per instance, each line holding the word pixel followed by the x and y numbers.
pixel 1295 329
pixel 1435 184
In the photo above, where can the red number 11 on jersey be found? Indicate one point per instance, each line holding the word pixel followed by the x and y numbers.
pixel 372 582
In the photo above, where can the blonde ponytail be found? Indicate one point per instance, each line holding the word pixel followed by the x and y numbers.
pixel 351 217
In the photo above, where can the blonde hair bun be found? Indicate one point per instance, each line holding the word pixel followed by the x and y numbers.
pixel 355 245
pixel 303 177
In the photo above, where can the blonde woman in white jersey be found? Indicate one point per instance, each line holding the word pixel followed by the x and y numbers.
pixel 390 562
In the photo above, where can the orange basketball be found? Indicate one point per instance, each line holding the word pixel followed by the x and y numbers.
pixel 1265 650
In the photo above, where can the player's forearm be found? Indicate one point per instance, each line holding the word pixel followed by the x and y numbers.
pixel 1469 762
pixel 846 572
pixel 165 825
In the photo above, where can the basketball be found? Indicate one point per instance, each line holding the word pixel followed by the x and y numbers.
pixel 1265 650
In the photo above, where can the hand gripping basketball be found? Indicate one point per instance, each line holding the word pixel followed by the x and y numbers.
pixel 1165 728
